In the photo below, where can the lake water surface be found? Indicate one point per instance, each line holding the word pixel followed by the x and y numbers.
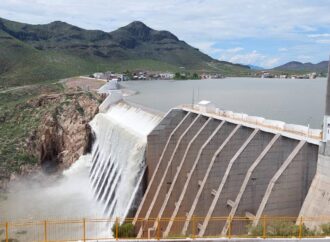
pixel 289 100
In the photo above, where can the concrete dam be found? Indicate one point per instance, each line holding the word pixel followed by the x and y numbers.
pixel 210 163
pixel 192 170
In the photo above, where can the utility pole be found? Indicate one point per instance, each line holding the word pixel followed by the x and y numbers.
pixel 198 95
pixel 326 122
pixel 193 98
pixel 327 103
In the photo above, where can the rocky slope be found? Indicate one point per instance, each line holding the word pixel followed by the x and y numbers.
pixel 47 129
pixel 64 134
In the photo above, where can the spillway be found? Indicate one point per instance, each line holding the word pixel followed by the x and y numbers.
pixel 118 156
pixel 212 164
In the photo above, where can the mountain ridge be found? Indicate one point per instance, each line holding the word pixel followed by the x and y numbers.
pixel 34 53
pixel 321 67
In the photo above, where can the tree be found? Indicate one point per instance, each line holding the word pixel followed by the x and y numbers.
pixel 177 76
pixel 195 76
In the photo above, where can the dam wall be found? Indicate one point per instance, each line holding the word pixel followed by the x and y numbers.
pixel 163 129
pixel 203 165
pixel 317 202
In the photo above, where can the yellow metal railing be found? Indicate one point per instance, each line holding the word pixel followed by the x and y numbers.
pixel 153 228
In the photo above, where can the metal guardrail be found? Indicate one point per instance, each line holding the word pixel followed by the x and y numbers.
pixel 113 229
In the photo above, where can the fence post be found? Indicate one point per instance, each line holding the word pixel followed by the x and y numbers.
pixel 300 227
pixel 7 235
pixel 84 230
pixel 45 231
pixel 117 227
pixel 264 228
pixel 158 229
pixel 229 228
pixel 193 227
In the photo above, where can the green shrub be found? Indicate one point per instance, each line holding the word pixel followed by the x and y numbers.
pixel 80 110
pixel 281 229
pixel 125 230
pixel 325 229
pixel 21 232
pixel 255 231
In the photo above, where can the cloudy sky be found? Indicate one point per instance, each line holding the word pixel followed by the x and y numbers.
pixel 265 33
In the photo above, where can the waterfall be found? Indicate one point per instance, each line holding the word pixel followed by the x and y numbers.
pixel 118 156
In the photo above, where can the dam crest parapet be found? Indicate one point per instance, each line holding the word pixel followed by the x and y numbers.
pixel 294 131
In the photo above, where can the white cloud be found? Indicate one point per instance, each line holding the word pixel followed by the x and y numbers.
pixel 323 38
pixel 234 50
pixel 249 58
pixel 304 58
pixel 318 35
pixel 210 47
pixel 282 49
pixel 323 41
pixel 207 47
pixel 211 19
pixel 270 62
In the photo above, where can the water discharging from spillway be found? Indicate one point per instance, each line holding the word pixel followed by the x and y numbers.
pixel 111 174
pixel 118 156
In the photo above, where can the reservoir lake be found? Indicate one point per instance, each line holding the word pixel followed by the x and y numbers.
pixel 298 101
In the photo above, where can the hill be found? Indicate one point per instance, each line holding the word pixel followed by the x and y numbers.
pixel 34 53
pixel 256 68
pixel 296 66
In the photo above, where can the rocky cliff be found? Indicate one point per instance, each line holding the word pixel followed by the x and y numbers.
pixel 43 128
pixel 64 133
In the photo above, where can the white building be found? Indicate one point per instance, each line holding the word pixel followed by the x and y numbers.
pixel 108 87
pixel 206 106
pixel 98 75
pixel 166 75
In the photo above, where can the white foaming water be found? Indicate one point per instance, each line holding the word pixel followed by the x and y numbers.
pixel 51 197
pixel 118 156
pixel 112 174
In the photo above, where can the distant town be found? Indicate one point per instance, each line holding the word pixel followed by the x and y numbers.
pixel 152 75
pixel 265 74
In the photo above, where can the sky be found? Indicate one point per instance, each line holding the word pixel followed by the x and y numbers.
pixel 264 33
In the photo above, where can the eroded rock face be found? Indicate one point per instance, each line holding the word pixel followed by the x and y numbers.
pixel 64 133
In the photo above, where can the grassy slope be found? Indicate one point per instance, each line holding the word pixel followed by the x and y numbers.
pixel 35 53
pixel 23 64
